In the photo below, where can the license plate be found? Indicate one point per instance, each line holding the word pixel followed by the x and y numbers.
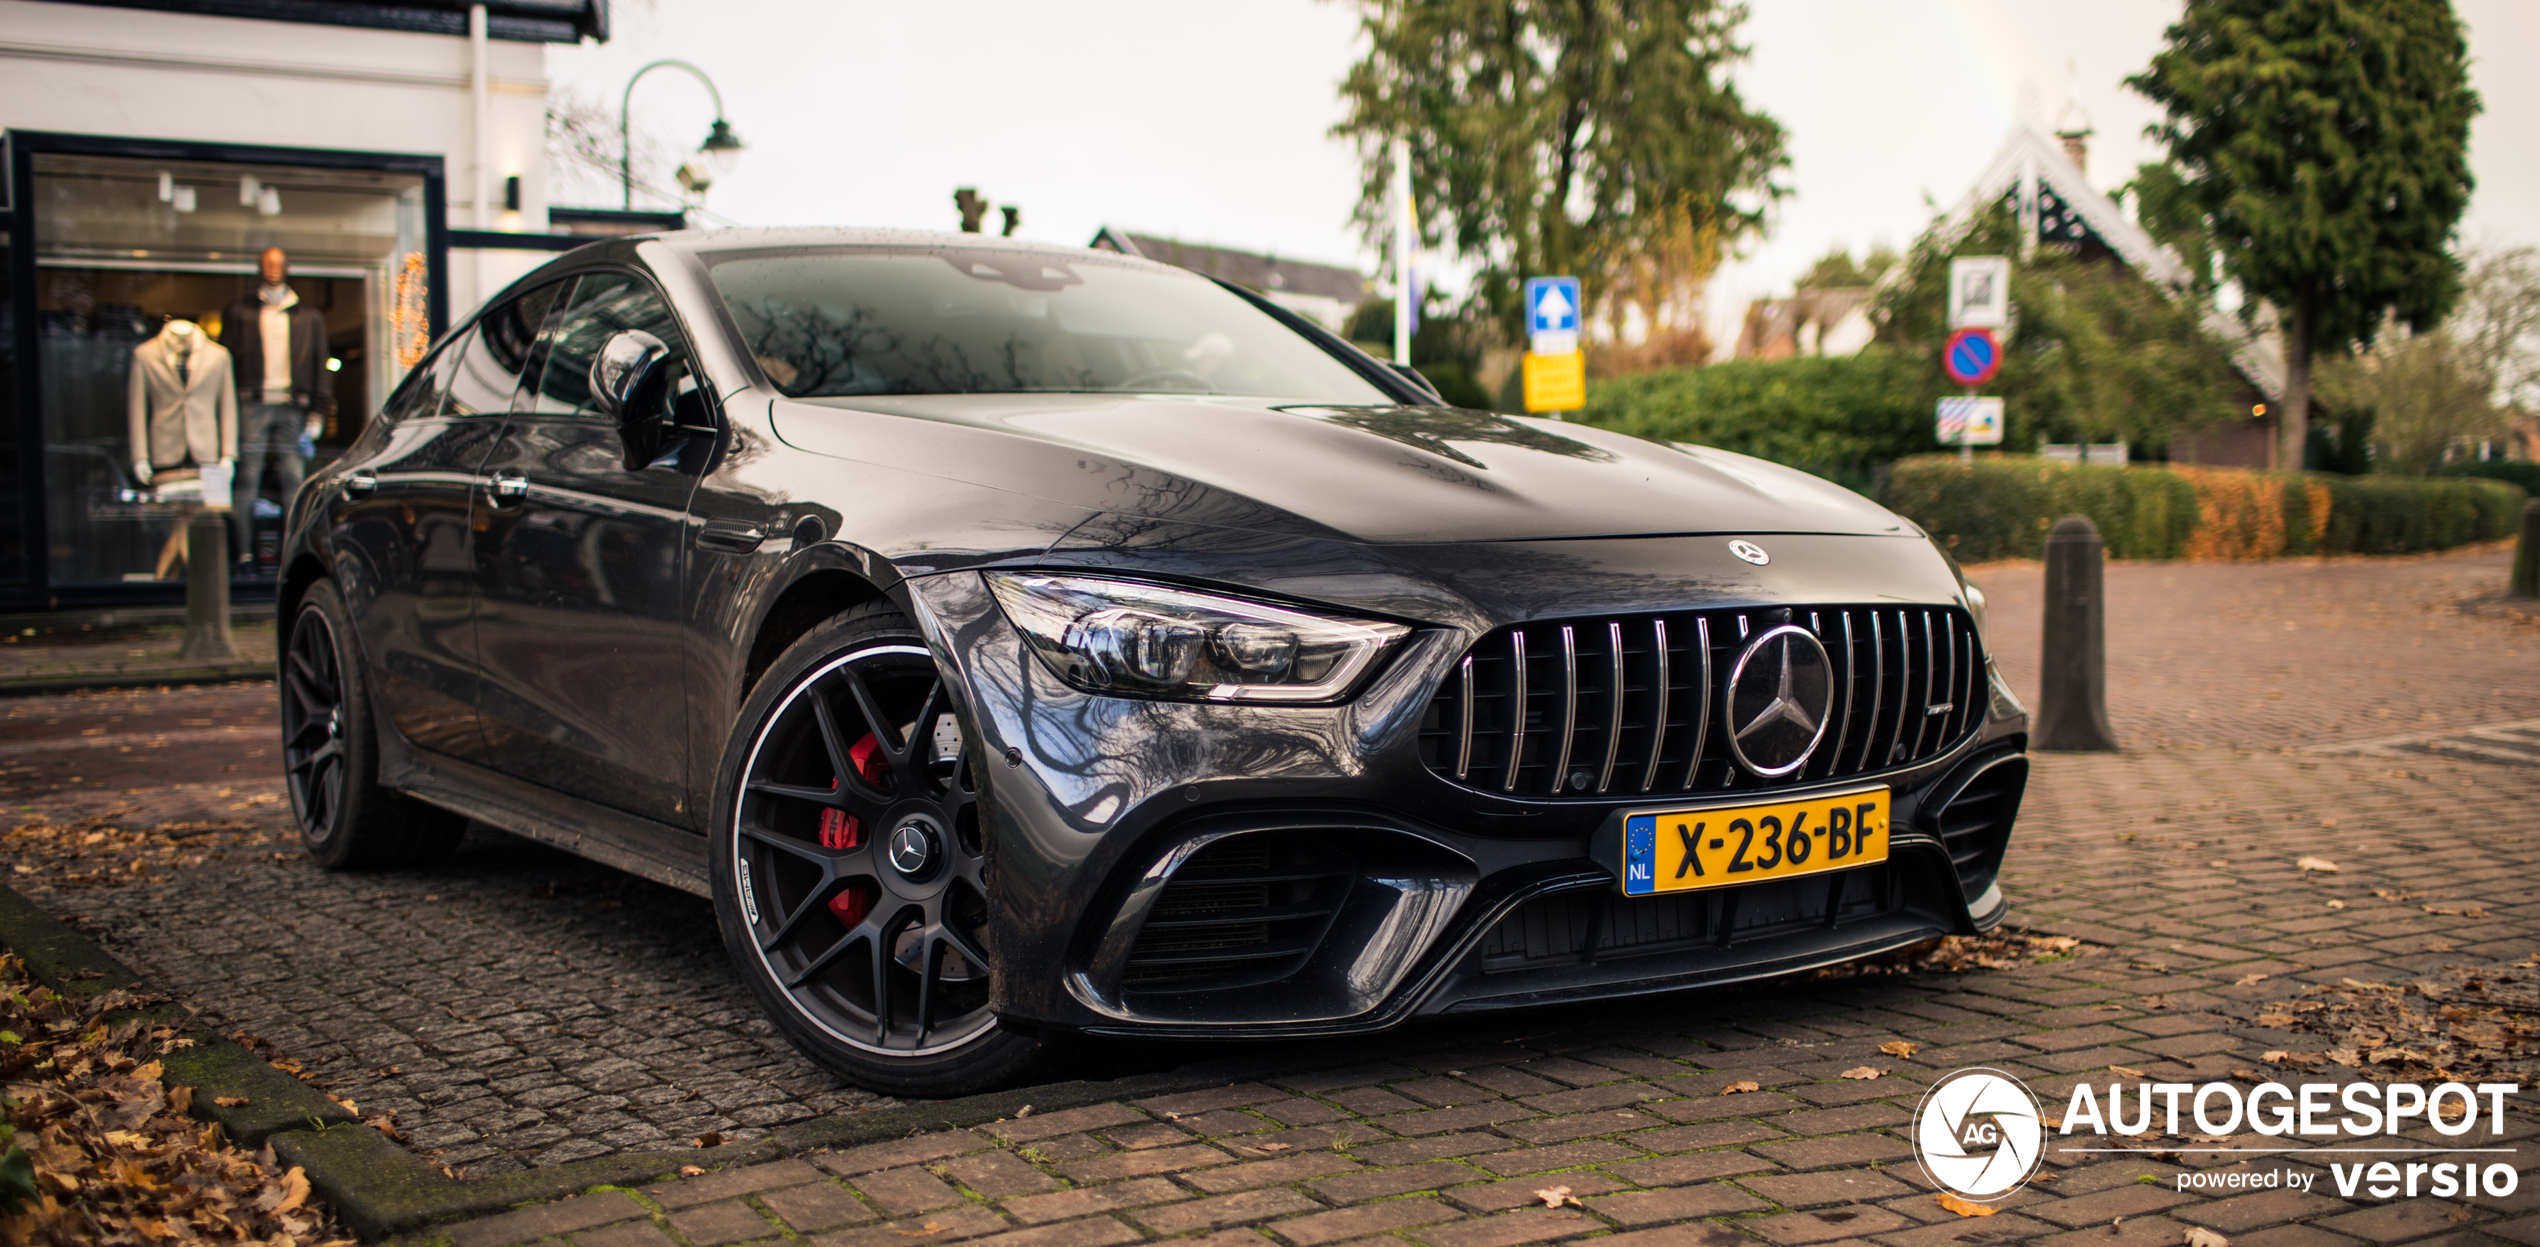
pixel 1687 850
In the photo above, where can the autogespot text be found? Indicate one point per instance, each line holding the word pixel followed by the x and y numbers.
pixel 2217 1111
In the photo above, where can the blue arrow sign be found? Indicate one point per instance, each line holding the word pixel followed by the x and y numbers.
pixel 1552 304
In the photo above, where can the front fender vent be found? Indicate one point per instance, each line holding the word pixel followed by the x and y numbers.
pixel 1247 910
pixel 1632 705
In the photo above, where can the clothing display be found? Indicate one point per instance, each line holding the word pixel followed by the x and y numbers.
pixel 268 433
pixel 181 402
pixel 302 376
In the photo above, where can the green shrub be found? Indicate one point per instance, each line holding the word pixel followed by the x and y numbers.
pixel 1841 417
pixel 2002 507
pixel 2520 473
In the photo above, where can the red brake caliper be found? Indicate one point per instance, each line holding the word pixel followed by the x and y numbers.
pixel 841 830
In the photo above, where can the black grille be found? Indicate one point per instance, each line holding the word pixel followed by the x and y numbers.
pixel 1577 926
pixel 1976 824
pixel 1629 705
pixel 1244 911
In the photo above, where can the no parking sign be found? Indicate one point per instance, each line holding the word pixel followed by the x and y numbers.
pixel 1972 356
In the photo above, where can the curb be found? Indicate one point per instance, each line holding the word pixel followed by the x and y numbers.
pixel 382 1189
pixel 136 679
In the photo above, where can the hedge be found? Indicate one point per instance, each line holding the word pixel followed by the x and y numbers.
pixel 1841 417
pixel 1997 508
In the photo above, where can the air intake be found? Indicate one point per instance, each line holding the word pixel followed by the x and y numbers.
pixel 1245 911
pixel 1976 823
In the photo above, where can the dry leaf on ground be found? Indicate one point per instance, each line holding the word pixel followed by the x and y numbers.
pixel 1965 1207
pixel 2248 980
pixel 1555 1196
pixel 2199 1236
pixel 1900 1048
pixel 1736 1087
pixel 1863 1072
pixel 2124 1072
pixel 2321 864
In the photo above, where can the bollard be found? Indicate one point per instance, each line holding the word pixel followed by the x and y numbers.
pixel 2072 695
pixel 207 588
pixel 2525 582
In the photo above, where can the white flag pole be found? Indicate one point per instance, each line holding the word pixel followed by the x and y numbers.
pixel 1406 240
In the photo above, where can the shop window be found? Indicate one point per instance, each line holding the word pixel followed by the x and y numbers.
pixel 153 311
pixel 12 507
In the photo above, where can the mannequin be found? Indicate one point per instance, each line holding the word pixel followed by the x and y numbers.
pixel 182 412
pixel 284 392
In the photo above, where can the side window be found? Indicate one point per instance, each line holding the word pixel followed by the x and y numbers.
pixel 603 306
pixel 498 350
pixel 420 395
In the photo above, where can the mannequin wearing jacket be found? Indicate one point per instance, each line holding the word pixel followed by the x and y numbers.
pixel 182 410
pixel 284 393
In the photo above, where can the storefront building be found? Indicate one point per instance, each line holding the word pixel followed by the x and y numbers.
pixel 157 152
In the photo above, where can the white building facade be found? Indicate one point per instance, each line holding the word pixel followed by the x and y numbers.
pixel 156 148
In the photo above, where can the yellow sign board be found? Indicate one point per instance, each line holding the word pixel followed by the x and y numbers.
pixel 1556 382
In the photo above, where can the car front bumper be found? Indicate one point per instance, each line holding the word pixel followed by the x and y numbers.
pixel 1384 891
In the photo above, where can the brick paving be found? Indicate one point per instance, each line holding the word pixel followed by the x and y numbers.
pixel 2175 858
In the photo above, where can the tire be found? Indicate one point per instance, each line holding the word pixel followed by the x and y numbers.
pixel 330 753
pixel 878 972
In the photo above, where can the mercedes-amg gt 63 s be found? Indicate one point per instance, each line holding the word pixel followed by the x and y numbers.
pixel 1019 642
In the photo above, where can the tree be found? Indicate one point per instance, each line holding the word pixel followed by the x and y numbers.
pixel 1837 268
pixel 2498 323
pixel 2426 393
pixel 1564 138
pixel 2096 354
pixel 2326 143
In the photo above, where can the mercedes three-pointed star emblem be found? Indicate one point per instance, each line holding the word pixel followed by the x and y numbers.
pixel 1779 696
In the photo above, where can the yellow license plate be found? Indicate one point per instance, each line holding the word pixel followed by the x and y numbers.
pixel 1687 850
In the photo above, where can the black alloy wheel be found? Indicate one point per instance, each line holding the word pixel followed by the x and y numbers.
pixel 330 753
pixel 852 873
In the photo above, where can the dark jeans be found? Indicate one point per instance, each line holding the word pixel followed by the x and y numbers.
pixel 267 432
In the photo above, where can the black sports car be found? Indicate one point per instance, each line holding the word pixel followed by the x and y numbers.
pixel 1016 641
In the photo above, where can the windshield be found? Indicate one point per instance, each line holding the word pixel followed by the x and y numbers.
pixel 836 322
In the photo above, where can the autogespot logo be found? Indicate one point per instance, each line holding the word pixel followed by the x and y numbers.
pixel 1978 1134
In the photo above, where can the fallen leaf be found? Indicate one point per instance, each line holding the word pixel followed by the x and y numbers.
pixel 1965 1207
pixel 2343 1056
pixel 931 1227
pixel 2248 1075
pixel 1023 1112
pixel 711 1138
pixel 2337 904
pixel 1863 1072
pixel 691 1171
pixel 1275 1147
pixel 230 1101
pixel 2199 1236
pixel 2320 864
pixel 1555 1196
pixel 1899 1048
pixel 2122 1072
pixel 2249 979
pixel 2460 1216
pixel 1736 1087
pixel 295 1190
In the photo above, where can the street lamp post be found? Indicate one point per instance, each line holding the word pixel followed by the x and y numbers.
pixel 721 144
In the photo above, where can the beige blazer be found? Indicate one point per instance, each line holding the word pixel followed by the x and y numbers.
pixel 175 422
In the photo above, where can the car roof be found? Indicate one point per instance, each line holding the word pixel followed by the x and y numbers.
pixel 697 241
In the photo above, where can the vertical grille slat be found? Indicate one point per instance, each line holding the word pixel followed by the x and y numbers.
pixel 1906 684
pixel 1516 710
pixel 1658 717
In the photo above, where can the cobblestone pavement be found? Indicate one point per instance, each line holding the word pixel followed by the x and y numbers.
pixel 515 1017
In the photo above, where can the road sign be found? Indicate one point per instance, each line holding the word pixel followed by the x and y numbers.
pixel 1969 421
pixel 1980 291
pixel 1972 356
pixel 1552 315
pixel 1556 382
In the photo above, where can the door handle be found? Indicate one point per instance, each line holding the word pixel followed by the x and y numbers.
pixel 359 483
pixel 507 488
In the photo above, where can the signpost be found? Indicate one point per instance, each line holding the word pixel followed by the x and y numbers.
pixel 1555 371
pixel 1979 304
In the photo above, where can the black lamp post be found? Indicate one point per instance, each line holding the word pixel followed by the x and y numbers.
pixel 721 145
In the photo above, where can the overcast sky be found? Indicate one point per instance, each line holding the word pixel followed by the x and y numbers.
pixel 1210 122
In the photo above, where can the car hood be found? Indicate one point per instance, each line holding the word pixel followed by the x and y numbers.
pixel 1381 475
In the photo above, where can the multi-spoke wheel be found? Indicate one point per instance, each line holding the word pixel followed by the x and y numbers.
pixel 330 756
pixel 850 875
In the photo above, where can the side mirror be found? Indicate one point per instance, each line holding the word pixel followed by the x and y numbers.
pixel 630 382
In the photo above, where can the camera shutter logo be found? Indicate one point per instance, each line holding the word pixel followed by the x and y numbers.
pixel 1979 1134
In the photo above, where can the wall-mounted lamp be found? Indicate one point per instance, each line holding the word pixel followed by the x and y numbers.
pixel 511 193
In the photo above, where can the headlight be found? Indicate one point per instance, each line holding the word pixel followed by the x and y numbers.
pixel 1142 640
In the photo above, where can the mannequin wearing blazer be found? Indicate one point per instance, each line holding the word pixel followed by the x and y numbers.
pixel 183 406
